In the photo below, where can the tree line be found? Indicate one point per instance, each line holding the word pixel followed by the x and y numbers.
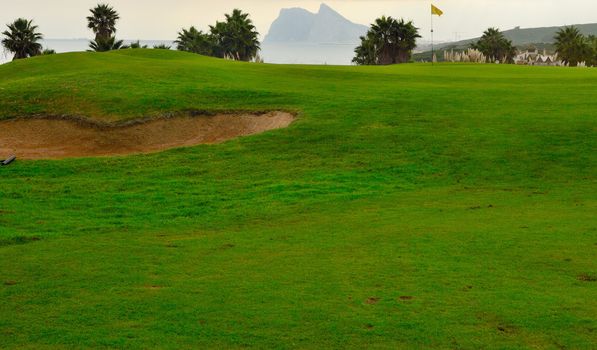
pixel 235 38
pixel 391 41
pixel 571 45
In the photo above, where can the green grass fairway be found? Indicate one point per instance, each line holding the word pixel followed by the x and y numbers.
pixel 408 207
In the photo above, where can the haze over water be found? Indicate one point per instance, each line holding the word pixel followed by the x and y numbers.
pixel 332 54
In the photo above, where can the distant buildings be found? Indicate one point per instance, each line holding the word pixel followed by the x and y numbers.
pixel 534 58
pixel 527 58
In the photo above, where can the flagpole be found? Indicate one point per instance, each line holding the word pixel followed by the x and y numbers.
pixel 432 46
pixel 438 12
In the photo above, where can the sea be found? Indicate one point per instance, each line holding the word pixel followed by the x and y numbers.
pixel 321 54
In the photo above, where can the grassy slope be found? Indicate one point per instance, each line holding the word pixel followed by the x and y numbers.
pixel 469 188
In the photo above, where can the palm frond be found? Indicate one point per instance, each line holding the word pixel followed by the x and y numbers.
pixel 22 39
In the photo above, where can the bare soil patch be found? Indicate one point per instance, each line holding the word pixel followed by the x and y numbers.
pixel 372 301
pixel 506 329
pixel 587 278
pixel 227 246
pixel 154 287
pixel 53 138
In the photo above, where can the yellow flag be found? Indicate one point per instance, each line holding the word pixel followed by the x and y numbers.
pixel 436 11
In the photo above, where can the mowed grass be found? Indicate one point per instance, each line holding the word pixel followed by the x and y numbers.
pixel 448 207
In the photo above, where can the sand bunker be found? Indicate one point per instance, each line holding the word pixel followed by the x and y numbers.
pixel 51 138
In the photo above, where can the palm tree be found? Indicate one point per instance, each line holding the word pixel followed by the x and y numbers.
pixel 494 45
pixel 388 41
pixel 103 21
pixel 221 38
pixel 381 32
pixel 102 45
pixel 236 38
pixel 193 40
pixel 405 37
pixel 22 39
pixel 135 45
pixel 592 40
pixel 162 47
pixel 571 46
pixel 366 53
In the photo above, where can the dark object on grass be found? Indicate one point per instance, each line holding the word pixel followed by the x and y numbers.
pixel 9 160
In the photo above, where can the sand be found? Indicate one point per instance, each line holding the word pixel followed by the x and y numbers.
pixel 55 138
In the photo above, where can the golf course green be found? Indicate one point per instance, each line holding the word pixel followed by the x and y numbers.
pixel 407 207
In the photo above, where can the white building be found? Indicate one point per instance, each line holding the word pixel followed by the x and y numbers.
pixel 534 58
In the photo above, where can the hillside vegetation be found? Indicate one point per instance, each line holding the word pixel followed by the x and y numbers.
pixel 527 36
pixel 522 38
pixel 408 207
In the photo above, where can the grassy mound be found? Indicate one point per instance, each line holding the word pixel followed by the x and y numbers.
pixel 409 206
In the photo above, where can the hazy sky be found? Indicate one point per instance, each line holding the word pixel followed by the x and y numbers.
pixel 161 19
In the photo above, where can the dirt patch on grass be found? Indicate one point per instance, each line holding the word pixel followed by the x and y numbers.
pixel 372 301
pixel 19 240
pixel 507 329
pixel 587 278
pixel 152 287
pixel 53 138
